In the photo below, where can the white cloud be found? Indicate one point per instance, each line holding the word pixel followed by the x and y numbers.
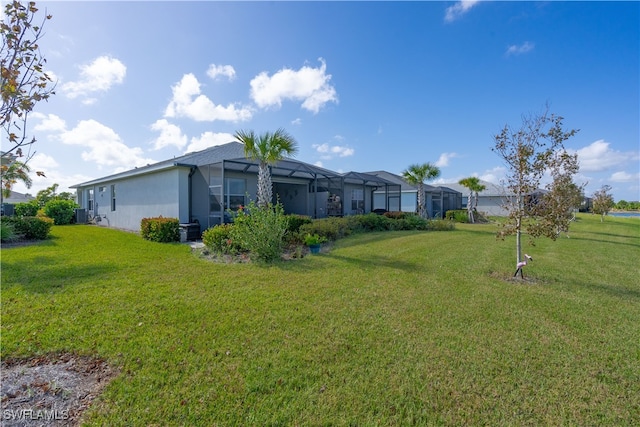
pixel 48 123
pixel 309 85
pixel 624 177
pixel 443 161
pixel 209 139
pixel 170 135
pixel 103 146
pixel 457 10
pixel 330 151
pixel 201 108
pixel 48 165
pixel 518 50
pixel 296 122
pixel 221 70
pixel 494 175
pixel 597 156
pixel 318 164
pixel 98 76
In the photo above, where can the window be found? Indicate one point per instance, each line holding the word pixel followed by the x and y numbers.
pixel 102 189
pixel 90 199
pixel 357 200
pixel 113 197
pixel 236 190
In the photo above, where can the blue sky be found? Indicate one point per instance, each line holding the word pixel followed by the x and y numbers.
pixel 361 85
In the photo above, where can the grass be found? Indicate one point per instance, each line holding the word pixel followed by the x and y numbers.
pixel 396 328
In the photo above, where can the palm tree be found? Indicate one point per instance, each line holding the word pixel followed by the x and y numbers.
pixel 474 186
pixel 267 148
pixel 12 173
pixel 417 174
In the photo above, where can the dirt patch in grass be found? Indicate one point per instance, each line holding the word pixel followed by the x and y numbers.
pixel 51 390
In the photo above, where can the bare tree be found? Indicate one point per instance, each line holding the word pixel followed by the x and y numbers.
pixel 23 82
pixel 528 152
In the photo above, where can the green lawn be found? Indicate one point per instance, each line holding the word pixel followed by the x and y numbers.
pixel 397 328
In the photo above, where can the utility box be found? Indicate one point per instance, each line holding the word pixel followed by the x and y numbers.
pixel 190 231
pixel 8 209
pixel 81 216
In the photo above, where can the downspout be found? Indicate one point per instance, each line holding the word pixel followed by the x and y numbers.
pixel 192 171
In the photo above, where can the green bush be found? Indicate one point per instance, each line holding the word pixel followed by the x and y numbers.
pixel 7 233
pixel 26 209
pixel 410 222
pixel 30 227
pixel 397 214
pixel 260 231
pixel 374 222
pixel 332 228
pixel 294 222
pixel 441 225
pixel 457 215
pixel 219 239
pixel 160 229
pixel 61 211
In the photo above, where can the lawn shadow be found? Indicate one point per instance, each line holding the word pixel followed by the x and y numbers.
pixel 368 262
pixel 635 245
pixel 45 274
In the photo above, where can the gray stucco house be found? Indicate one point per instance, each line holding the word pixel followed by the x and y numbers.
pixel 438 199
pixel 199 188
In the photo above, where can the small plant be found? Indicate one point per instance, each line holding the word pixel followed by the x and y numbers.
pixel 219 240
pixel 314 239
pixel 261 231
pixel 6 232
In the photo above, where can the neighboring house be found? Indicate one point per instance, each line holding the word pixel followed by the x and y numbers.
pixel 201 187
pixel 491 200
pixel 438 199
pixel 16 197
pixel 8 203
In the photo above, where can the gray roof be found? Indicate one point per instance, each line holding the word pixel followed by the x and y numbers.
pixel 232 154
pixel 492 190
pixel 405 186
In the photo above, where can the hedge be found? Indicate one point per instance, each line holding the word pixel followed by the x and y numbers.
pixel 160 229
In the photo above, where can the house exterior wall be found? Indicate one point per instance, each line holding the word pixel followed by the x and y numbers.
pixel 122 203
pixel 491 206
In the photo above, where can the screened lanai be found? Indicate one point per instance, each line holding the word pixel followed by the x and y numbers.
pixel 301 188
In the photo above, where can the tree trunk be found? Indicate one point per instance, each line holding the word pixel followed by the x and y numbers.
pixel 518 247
pixel 470 208
pixel 421 209
pixel 264 185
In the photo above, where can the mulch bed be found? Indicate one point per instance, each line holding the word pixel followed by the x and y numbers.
pixel 52 390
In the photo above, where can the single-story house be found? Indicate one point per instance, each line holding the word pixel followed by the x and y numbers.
pixel 200 188
pixel 438 199
pixel 8 203
pixel 491 200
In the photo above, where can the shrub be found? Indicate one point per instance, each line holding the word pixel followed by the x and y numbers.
pixel 219 239
pixel 374 222
pixel 332 228
pixel 457 215
pixel 160 229
pixel 260 231
pixel 294 222
pixel 7 232
pixel 397 214
pixel 30 227
pixel 26 209
pixel 61 211
pixel 410 222
pixel 441 225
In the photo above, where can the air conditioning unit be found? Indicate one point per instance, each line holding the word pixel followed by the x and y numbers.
pixel 81 216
